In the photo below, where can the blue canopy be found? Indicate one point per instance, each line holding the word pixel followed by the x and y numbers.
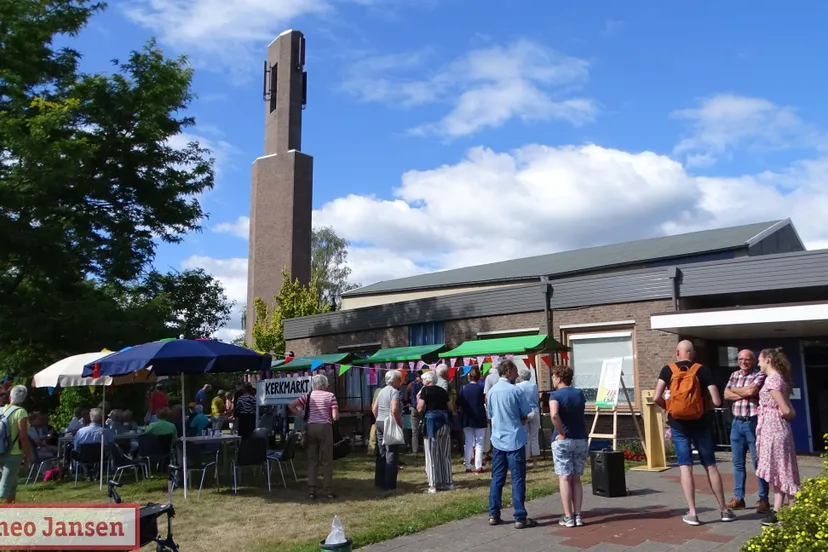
pixel 180 356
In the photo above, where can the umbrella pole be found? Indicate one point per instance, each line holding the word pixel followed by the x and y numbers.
pixel 184 437
pixel 103 425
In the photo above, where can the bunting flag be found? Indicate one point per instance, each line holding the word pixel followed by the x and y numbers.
pixel 372 376
pixel 495 360
pixel 401 366
pixel 532 360
pixel 528 362
pixel 344 368
pixel 420 364
pixel 547 359
pixel 467 361
pixel 481 360
pixel 411 365
pixel 452 361
pixel 92 389
pixel 388 365
pixel 565 355
pixel 315 364
pixel 51 390
pixel 510 356
pixel 486 367
pixel 96 372
pixel 466 370
pixel 452 373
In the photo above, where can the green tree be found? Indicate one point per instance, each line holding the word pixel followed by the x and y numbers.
pixel 293 300
pixel 329 269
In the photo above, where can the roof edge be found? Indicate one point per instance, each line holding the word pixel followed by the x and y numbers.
pixel 772 229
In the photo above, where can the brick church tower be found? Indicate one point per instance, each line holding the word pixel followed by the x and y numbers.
pixel 281 193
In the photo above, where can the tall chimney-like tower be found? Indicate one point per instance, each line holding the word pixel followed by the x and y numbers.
pixel 281 195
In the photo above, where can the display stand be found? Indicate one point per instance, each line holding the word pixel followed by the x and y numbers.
pixel 653 434
pixel 612 377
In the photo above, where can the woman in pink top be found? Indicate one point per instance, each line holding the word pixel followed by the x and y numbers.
pixel 320 411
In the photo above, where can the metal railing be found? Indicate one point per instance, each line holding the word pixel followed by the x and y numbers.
pixel 722 420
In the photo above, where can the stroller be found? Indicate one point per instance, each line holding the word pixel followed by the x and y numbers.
pixel 149 515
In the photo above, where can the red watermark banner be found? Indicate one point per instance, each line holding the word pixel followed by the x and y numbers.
pixel 69 527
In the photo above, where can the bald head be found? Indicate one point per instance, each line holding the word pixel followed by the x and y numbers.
pixel 685 351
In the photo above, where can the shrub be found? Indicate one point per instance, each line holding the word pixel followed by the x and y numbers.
pixel 803 526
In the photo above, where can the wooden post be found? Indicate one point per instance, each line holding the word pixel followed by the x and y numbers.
pixel 613 435
pixel 654 434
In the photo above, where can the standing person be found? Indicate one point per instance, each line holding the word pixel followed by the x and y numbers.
pixel 777 455
pixel 388 404
pixel 532 424
pixel 203 394
pixel 156 400
pixel 16 422
pixel 690 385
pixel 320 412
pixel 491 379
pixel 246 412
pixel 434 405
pixel 217 409
pixel 472 408
pixel 569 443
pixel 508 409
pixel 743 389
pixel 411 392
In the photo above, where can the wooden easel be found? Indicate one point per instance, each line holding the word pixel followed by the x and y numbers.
pixel 614 411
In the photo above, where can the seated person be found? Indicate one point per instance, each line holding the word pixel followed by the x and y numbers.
pixel 199 422
pixel 77 421
pixel 115 422
pixel 128 422
pixel 91 434
pixel 175 419
pixel 163 426
pixel 40 436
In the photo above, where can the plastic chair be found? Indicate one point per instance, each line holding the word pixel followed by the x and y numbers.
pixel 286 455
pixel 251 452
pixel 196 455
pixel 121 463
pixel 87 455
pixel 153 448
pixel 40 462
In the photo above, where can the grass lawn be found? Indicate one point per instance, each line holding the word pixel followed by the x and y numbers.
pixel 285 520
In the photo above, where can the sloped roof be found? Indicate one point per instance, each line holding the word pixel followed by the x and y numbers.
pixel 584 260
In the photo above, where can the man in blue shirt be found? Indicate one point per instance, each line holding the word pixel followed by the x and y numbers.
pixel 90 434
pixel 508 409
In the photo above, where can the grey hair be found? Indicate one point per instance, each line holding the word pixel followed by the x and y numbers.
pixel 198 409
pixel 319 382
pixel 392 376
pixel 525 374
pixel 504 367
pixel 442 370
pixel 96 416
pixel 18 394
pixel 429 377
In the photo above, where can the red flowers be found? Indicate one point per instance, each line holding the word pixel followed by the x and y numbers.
pixel 633 456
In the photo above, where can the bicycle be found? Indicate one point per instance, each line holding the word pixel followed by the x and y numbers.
pixel 149 515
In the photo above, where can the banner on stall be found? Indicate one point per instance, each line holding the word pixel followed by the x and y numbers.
pixel 274 392
pixel 610 383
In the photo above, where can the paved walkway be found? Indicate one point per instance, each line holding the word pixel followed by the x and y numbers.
pixel 647 520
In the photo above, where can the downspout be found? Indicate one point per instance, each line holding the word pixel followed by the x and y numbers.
pixel 674 273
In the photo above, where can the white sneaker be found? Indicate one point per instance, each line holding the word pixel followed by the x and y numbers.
pixel 432 490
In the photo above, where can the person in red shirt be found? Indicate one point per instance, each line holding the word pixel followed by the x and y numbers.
pixel 156 400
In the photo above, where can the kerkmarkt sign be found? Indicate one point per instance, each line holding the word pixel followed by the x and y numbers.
pixel 282 391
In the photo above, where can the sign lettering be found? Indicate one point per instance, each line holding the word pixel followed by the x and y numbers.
pixel 282 390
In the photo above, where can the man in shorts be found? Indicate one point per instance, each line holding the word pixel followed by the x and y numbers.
pixel 696 432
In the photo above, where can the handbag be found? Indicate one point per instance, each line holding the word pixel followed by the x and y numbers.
pixel 392 433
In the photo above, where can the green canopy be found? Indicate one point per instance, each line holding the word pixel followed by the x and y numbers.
pixel 401 354
pixel 517 345
pixel 305 363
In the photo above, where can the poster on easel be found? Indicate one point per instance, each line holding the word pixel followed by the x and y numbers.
pixel 610 383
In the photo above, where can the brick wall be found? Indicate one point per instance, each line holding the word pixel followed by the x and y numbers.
pixel 327 344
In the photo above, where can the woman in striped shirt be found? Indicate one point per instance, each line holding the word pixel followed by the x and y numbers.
pixel 319 410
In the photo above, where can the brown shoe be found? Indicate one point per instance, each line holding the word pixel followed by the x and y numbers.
pixel 736 504
pixel 762 507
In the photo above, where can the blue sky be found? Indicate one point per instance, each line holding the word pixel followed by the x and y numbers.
pixel 447 132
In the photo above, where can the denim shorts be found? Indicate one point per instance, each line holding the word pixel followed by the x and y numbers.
pixel 701 438
pixel 9 470
pixel 569 456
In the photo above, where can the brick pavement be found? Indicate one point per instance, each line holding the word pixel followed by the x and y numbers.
pixel 647 520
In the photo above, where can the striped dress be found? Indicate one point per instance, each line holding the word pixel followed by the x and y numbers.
pixel 438 445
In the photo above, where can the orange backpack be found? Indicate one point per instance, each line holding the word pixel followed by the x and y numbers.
pixel 686 400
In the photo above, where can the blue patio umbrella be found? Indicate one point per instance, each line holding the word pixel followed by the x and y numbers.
pixel 179 357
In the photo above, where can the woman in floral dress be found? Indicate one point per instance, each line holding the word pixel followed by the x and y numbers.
pixel 774 439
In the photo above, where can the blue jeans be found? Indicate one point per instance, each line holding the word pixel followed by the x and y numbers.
pixel 742 438
pixel 702 437
pixel 515 462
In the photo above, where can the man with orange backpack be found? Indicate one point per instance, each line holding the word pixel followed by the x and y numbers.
pixel 683 389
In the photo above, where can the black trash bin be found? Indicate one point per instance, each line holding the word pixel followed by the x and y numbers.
pixel 343 547
pixel 609 478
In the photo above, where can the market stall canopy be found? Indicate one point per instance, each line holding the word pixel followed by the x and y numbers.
pixel 402 354
pixel 179 356
pixel 520 345
pixel 311 362
pixel 68 372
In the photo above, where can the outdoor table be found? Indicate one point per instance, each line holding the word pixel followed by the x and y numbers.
pixel 224 439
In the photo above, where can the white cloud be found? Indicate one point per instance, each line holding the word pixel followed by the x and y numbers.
pixel 486 87
pixel 239 228
pixel 726 122
pixel 223 152
pixel 221 34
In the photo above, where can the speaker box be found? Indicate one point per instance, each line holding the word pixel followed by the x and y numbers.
pixel 609 478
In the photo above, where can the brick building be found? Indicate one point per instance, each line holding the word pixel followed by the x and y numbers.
pixel 609 301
